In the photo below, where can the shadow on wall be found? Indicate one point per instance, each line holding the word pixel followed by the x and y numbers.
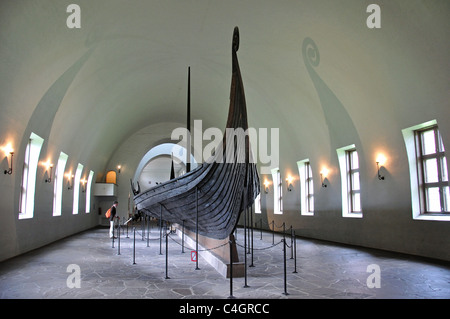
pixel 341 129
pixel 43 115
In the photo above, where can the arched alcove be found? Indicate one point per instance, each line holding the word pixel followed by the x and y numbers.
pixel 158 170
pixel 155 165
pixel 111 177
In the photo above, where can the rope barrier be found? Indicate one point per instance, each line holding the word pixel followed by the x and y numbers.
pixel 208 249
pixel 149 238
pixel 168 235
pixel 264 248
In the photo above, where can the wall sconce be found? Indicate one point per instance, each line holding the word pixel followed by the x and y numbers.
pixel 323 176
pixel 118 168
pixel 48 166
pixel 266 186
pixel 381 160
pixel 83 185
pixel 70 176
pixel 289 181
pixel 9 151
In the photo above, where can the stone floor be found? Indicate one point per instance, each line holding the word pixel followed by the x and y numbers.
pixel 324 271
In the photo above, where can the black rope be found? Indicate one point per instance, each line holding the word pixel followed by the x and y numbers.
pixel 264 248
pixel 208 249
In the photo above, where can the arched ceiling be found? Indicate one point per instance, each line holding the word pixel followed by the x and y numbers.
pixel 126 67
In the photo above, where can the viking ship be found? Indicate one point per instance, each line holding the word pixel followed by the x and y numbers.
pixel 209 199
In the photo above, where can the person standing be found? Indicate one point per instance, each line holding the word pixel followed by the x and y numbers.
pixel 111 219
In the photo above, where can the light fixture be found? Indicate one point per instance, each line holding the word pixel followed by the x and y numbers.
pixel 69 176
pixel 118 168
pixel 381 160
pixel 48 166
pixel 266 186
pixel 9 151
pixel 289 181
pixel 323 176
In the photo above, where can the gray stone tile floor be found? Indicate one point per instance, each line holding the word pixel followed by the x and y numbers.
pixel 324 271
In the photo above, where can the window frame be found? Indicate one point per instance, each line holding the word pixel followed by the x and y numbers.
pixel 347 190
pixel 278 191
pixel 440 158
pixel 88 191
pixel 76 189
pixel 409 137
pixel 258 204
pixel 306 187
pixel 309 187
pixel 352 192
pixel 29 174
pixel 59 183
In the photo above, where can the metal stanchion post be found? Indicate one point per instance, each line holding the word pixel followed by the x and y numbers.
pixel 148 232
pixel 284 260
pixel 143 227
pixel 160 229
pixel 231 270
pixel 245 248
pixel 196 229
pixel 118 240
pixel 295 254
pixel 134 245
pixel 167 255
pixel 260 228
pixel 251 223
pixel 292 243
pixel 248 232
pixel 273 232
pixel 182 239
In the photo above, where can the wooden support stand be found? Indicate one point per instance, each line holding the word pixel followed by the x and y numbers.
pixel 219 258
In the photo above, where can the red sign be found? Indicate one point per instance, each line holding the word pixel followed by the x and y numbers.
pixel 193 255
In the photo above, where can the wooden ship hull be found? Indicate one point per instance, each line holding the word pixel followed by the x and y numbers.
pixel 209 199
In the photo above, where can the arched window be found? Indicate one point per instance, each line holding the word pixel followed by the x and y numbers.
pixel 277 191
pixel 76 188
pixel 58 186
pixel 111 177
pixel 29 176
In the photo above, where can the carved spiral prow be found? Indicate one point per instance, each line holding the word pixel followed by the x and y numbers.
pixel 236 39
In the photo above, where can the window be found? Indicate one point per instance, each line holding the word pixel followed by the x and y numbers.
pixel 433 173
pixel 350 181
pixel 258 204
pixel 28 186
pixel 306 188
pixel 428 172
pixel 88 192
pixel 111 177
pixel 354 194
pixel 278 191
pixel 76 189
pixel 59 182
